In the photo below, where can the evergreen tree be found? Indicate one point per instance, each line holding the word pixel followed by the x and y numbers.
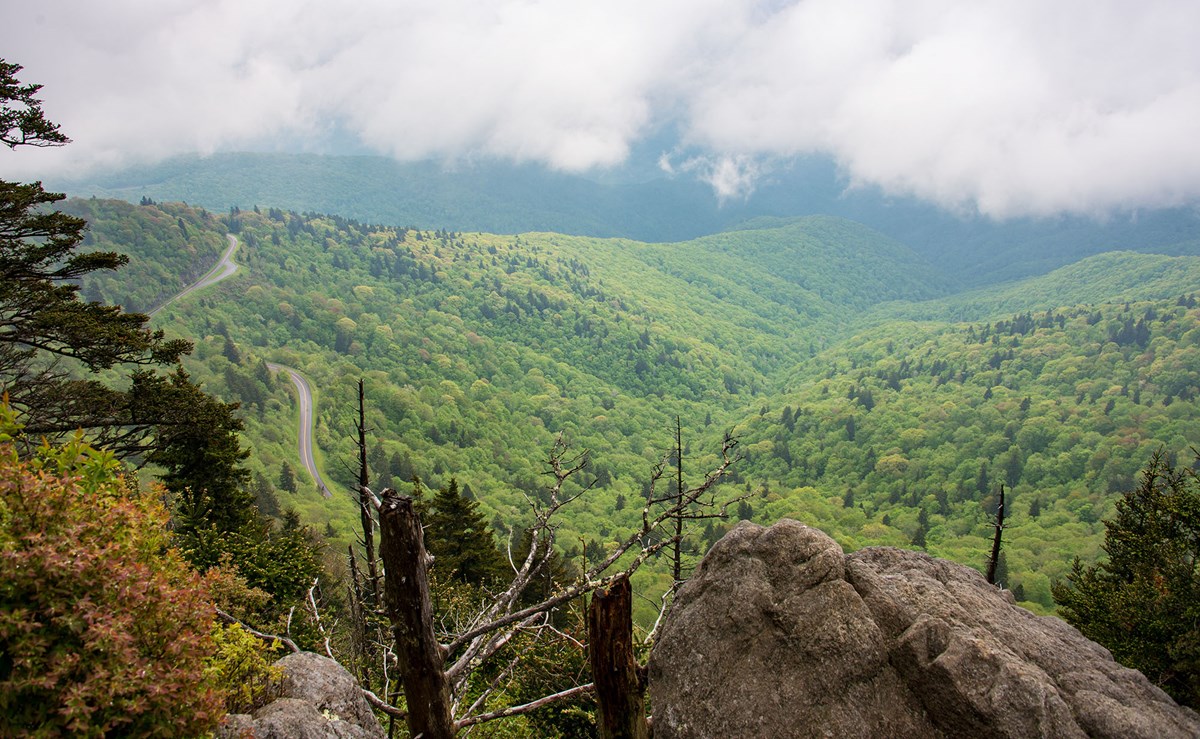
pixel 918 539
pixel 201 457
pixel 460 539
pixel 264 496
pixel 287 478
pixel 1143 602
pixel 22 122
pixel 982 486
pixel 231 351
pixel 46 331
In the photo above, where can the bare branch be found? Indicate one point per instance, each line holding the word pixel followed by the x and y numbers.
pixel 375 502
pixel 312 602
pixel 383 705
pixel 661 606
pixel 525 708
pixel 591 579
pixel 271 638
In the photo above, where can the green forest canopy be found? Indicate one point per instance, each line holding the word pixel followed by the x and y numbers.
pixel 478 349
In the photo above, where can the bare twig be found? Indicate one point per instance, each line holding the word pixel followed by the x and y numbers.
pixel 524 708
pixel 271 638
pixel 312 602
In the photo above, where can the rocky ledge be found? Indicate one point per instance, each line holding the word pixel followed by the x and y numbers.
pixel 318 699
pixel 779 633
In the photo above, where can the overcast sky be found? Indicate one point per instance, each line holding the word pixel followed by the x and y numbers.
pixel 1009 107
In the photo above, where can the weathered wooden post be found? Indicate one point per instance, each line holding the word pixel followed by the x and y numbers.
pixel 406 595
pixel 619 686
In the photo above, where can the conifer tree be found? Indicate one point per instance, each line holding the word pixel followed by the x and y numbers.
pixel 1143 602
pixel 201 456
pixel 460 539
pixel 47 332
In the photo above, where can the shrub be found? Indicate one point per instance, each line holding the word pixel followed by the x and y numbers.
pixel 104 629
pixel 242 669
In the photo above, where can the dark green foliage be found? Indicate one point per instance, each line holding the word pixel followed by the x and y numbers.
pixel 47 333
pixel 43 321
pixel 1143 601
pixel 22 122
pixel 287 478
pixel 264 497
pixel 283 560
pixel 200 453
pixel 918 539
pixel 459 538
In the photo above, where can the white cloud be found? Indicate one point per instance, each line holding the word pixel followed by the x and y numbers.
pixel 1012 107
pixel 731 177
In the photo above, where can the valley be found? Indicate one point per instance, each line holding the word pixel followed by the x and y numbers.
pixel 873 395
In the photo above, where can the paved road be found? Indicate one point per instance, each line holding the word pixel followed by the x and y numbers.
pixel 306 424
pixel 225 268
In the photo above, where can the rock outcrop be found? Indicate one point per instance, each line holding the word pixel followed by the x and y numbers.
pixel 779 633
pixel 318 699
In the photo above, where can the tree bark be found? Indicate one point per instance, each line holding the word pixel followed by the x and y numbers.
pixel 677 561
pixel 619 688
pixel 406 594
pixel 364 479
pixel 995 558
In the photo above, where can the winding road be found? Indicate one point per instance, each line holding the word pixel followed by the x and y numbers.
pixel 306 424
pixel 225 267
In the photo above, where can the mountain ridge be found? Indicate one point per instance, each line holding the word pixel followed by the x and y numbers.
pixel 497 197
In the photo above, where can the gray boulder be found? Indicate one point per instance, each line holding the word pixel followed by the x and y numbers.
pixel 318 699
pixel 779 633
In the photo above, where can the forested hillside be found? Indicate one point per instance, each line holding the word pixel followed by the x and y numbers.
pixel 169 246
pixel 478 349
pixel 903 434
pixel 637 202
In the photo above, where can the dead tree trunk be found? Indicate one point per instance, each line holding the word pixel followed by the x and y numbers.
pixel 406 594
pixel 619 688
pixel 368 525
pixel 995 559
pixel 677 560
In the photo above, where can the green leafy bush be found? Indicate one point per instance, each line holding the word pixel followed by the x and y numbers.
pixel 242 668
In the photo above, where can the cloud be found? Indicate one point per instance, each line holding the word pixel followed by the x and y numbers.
pixel 1009 108
pixel 731 177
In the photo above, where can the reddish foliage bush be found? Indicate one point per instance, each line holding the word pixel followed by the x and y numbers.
pixel 103 628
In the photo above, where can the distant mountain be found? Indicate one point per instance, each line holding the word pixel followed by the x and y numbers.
pixel 1112 277
pixel 504 198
